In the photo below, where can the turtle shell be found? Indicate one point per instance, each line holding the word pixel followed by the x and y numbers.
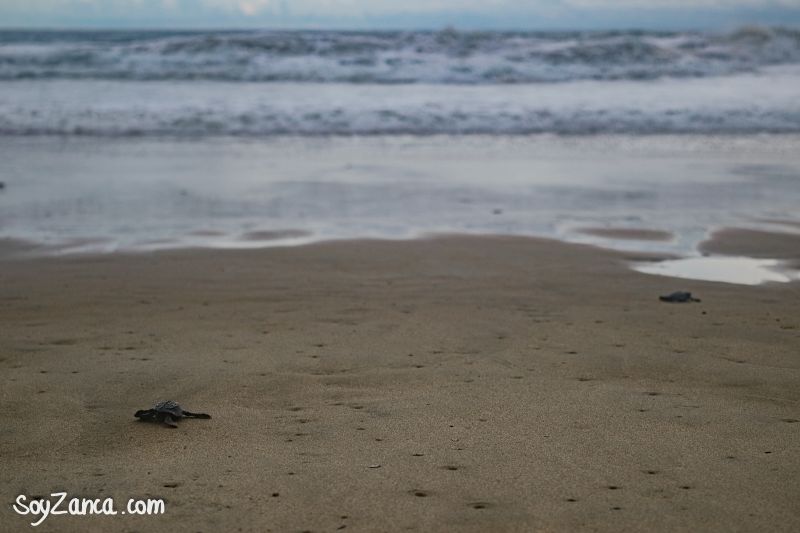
pixel 169 407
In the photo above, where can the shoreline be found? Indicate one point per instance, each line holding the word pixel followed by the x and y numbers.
pixel 500 383
pixel 726 243
pixel 107 194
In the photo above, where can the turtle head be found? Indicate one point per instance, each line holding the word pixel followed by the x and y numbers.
pixel 142 413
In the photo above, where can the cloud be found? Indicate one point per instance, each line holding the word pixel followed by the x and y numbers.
pixel 363 7
pixel 358 7
pixel 344 8
pixel 680 4
pixel 393 13
pixel 245 7
pixel 252 7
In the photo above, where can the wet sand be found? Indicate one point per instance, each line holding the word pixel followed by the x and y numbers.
pixel 754 243
pixel 659 193
pixel 628 233
pixel 462 384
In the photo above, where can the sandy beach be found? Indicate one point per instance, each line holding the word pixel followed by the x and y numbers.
pixel 455 383
pixel 409 257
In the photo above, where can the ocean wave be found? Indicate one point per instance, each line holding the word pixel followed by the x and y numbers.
pixel 448 56
pixel 201 125
pixel 745 103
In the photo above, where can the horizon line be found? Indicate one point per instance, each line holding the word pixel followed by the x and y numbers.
pixel 445 27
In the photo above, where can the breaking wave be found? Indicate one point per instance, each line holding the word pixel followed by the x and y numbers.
pixel 446 56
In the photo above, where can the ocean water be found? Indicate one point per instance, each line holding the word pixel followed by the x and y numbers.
pixel 146 140
pixel 447 82
pixel 138 193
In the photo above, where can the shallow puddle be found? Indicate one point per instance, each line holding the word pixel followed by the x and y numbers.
pixel 739 270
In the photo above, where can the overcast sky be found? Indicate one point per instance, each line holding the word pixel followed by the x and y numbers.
pixel 362 14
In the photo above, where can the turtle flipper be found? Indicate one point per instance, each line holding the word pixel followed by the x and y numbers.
pixel 170 421
pixel 188 414
pixel 146 415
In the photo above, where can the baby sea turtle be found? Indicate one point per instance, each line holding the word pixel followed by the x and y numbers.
pixel 679 297
pixel 168 412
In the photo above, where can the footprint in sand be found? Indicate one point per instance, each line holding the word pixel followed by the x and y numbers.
pixel 480 505
pixel 64 342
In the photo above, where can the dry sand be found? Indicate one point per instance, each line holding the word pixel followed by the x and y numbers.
pixel 501 384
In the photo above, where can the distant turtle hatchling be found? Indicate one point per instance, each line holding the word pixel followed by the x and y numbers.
pixel 679 297
pixel 168 412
